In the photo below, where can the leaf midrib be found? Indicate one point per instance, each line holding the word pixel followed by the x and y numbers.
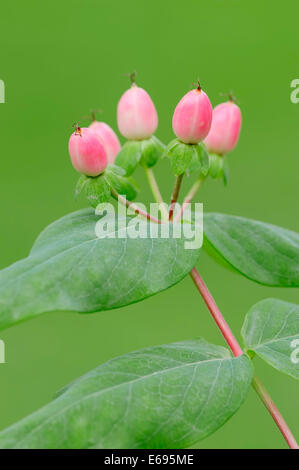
pixel 260 345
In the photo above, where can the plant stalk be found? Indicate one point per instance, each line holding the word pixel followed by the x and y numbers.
pixel 190 196
pixel 156 192
pixel 231 340
pixel 273 410
pixel 175 195
pixel 216 314
pixel 237 351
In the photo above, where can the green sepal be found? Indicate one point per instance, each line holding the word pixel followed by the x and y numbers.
pixel 146 152
pixel 151 150
pixel 188 158
pixel 129 156
pixel 225 172
pixel 96 189
pixel 216 169
pixel 172 144
pixel 80 185
pixel 180 154
pixel 200 161
pixel 203 156
pixel 126 186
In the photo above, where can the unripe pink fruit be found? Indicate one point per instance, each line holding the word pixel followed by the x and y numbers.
pixel 225 129
pixel 87 153
pixel 136 114
pixel 108 139
pixel 192 117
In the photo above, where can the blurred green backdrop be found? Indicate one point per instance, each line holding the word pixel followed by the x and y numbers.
pixel 59 60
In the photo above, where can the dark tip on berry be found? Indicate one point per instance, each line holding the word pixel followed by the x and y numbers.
pixel 132 77
pixel 230 97
pixel 78 130
pixel 93 113
pixel 196 85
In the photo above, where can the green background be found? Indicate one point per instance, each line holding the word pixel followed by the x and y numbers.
pixel 59 60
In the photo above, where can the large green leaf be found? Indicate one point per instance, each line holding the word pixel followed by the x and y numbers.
pixel 70 268
pixel 262 252
pixel 271 330
pixel 167 396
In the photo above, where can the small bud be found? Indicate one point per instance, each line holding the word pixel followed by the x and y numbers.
pixel 136 114
pixel 225 129
pixel 192 117
pixel 108 139
pixel 87 153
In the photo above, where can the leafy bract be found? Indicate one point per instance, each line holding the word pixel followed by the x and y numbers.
pixel 271 330
pixel 129 156
pixel 168 396
pixel 98 189
pixel 200 161
pixel 146 152
pixel 123 185
pixel 262 252
pixel 73 267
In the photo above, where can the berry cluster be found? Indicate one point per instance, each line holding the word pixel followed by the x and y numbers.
pixel 203 137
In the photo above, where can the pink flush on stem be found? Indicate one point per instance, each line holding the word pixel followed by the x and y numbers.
pixel 137 117
pixel 108 139
pixel 87 154
pixel 192 117
pixel 225 129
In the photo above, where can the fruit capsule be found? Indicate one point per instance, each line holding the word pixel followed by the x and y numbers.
pixel 192 117
pixel 136 114
pixel 225 129
pixel 87 154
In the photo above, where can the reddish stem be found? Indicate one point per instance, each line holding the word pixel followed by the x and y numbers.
pixel 275 413
pixel 188 199
pixel 216 314
pixel 237 351
pixel 175 195
pixel 134 207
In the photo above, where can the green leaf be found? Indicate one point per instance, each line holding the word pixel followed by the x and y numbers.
pixel 152 149
pixel 264 253
pixel 129 156
pixel 271 330
pixel 70 268
pixel 168 396
pixel 123 185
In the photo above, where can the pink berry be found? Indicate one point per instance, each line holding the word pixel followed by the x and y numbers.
pixel 87 153
pixel 136 114
pixel 108 139
pixel 192 117
pixel 225 129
